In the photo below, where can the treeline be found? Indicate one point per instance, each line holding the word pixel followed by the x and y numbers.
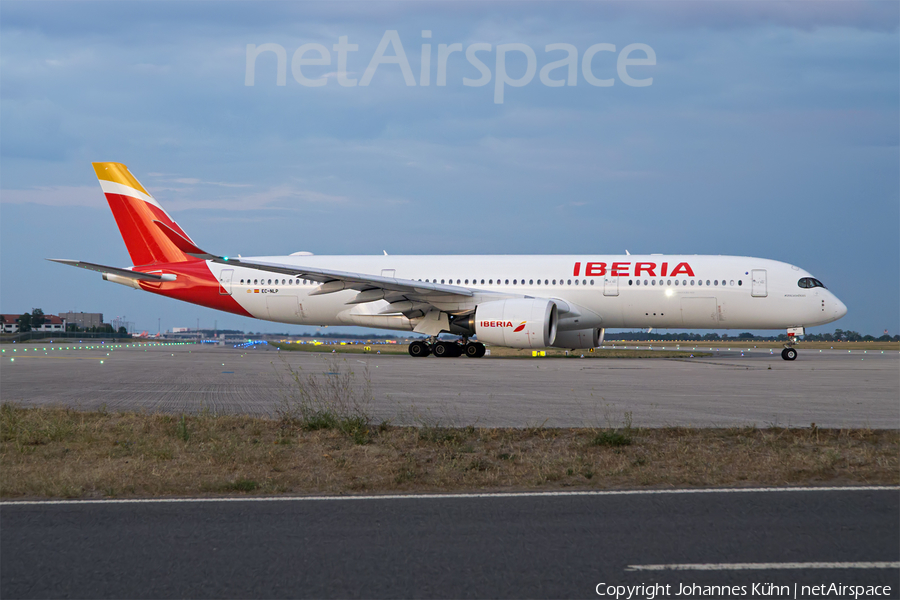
pixel 839 335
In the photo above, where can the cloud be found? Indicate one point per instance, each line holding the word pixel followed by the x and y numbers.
pixel 90 196
pixel 279 197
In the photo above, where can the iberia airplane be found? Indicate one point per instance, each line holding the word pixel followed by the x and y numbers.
pixel 515 301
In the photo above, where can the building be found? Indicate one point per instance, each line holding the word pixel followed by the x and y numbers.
pixel 51 323
pixel 10 323
pixel 82 319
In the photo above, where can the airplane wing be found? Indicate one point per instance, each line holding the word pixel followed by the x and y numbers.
pixel 127 273
pixel 452 298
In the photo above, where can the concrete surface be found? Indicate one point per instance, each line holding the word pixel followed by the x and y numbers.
pixel 831 388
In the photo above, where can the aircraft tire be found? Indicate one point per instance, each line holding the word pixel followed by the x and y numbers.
pixel 475 350
pixel 447 350
pixel 789 354
pixel 419 349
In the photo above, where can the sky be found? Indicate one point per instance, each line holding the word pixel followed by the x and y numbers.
pixel 763 129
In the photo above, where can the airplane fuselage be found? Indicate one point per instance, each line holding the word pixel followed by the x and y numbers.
pixel 707 292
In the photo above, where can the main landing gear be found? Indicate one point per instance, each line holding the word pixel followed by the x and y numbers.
pixel 446 349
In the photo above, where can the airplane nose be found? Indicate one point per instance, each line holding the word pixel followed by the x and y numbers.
pixel 840 309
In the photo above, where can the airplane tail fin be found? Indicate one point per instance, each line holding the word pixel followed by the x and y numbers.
pixel 140 217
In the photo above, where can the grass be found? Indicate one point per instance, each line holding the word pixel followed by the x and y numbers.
pixel 62 453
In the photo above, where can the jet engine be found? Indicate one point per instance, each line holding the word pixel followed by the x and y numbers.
pixel 516 323
pixel 579 339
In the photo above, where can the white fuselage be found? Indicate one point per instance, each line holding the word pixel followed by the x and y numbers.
pixel 632 291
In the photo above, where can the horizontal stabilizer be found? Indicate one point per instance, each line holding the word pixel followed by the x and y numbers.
pixel 114 270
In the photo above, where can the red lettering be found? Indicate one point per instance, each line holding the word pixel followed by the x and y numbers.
pixel 595 269
pixel 649 267
pixel 682 268
pixel 620 269
pixel 577 269
pixel 665 268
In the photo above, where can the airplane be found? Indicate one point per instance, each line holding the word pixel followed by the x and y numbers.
pixel 559 301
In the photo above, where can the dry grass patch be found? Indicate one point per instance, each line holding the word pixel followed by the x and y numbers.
pixel 64 453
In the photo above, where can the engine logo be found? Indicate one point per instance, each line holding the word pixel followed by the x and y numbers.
pixel 520 327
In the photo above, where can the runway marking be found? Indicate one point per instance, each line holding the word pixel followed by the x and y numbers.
pixel 764 566
pixel 871 488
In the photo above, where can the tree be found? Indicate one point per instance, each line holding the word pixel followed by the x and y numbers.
pixel 123 331
pixel 37 318
pixel 24 322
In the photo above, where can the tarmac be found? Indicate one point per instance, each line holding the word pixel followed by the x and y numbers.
pixel 733 387
pixel 576 545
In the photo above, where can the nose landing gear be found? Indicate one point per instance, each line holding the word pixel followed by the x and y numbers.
pixel 789 352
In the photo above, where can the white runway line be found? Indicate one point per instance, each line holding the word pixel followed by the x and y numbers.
pixel 764 566
pixel 868 488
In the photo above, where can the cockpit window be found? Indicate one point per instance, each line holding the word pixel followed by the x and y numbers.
pixel 810 282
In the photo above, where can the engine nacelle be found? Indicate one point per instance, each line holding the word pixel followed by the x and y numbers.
pixel 517 323
pixel 579 339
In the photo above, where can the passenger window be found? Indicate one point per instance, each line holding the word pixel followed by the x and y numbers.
pixel 569 282
pixel 700 282
pixel 630 281
pixel 716 282
pixel 676 282
pixel 740 282
pixel 467 282
pixel 692 282
pixel 592 282
pixel 653 282
pixel 669 282
pixel 514 282
pixel 707 282
pixel 576 282
pixel 731 282
pixel 584 282
pixel 531 282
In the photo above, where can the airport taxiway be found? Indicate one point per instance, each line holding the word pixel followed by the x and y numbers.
pixel 831 388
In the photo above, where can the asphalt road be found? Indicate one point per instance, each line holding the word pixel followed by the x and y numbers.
pixel 541 546
pixel 831 388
